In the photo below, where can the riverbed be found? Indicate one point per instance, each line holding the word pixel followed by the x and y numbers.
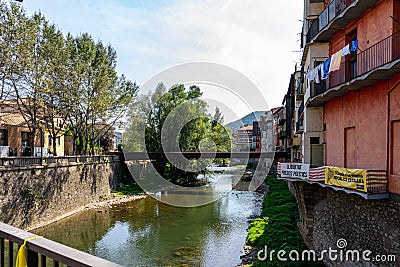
pixel 147 232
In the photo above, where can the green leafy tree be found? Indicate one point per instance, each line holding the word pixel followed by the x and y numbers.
pixel 176 120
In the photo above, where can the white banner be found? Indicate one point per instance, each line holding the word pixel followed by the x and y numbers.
pixel 295 170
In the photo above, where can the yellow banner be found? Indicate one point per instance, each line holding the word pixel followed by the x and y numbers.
pixel 349 178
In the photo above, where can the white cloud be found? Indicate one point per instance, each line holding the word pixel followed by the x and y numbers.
pixel 254 37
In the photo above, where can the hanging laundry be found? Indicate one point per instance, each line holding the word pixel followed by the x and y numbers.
pixel 346 50
pixel 354 46
pixel 336 59
pixel 311 75
pixel 318 76
pixel 325 69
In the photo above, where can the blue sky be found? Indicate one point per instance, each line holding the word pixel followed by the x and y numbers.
pixel 257 37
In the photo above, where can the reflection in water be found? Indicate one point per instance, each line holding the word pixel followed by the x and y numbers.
pixel 149 233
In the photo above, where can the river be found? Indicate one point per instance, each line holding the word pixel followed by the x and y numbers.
pixel 147 232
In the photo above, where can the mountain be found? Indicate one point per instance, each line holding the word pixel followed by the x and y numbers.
pixel 246 120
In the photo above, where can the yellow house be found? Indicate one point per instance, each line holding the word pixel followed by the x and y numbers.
pixel 16 138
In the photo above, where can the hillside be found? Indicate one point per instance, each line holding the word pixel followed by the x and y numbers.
pixel 246 120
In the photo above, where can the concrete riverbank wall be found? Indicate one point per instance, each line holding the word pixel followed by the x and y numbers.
pixel 328 216
pixel 31 195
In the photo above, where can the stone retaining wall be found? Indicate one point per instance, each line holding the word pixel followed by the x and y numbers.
pixel 31 195
pixel 328 215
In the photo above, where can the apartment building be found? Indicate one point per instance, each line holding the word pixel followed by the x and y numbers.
pixel 343 104
pixel 242 138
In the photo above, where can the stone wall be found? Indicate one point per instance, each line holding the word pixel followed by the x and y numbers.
pixel 32 195
pixel 328 215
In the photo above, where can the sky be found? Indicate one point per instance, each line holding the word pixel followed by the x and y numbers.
pixel 258 38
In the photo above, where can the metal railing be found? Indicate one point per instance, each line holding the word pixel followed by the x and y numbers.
pixel 42 252
pixel 63 160
pixel 318 88
pixel 301 109
pixel 299 126
pixel 382 53
pixel 326 16
pixel 312 31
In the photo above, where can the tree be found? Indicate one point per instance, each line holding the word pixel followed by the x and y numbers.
pixel 177 120
pixel 58 81
pixel 100 98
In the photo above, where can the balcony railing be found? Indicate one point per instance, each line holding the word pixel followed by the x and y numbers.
pixel 318 88
pixel 313 30
pixel 299 126
pixel 382 53
pixel 326 16
pixel 301 109
pixel 42 252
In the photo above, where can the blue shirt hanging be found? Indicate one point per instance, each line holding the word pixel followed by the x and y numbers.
pixel 325 68
pixel 354 46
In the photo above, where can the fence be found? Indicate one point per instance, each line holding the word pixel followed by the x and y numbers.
pixel 326 16
pixel 65 160
pixel 42 252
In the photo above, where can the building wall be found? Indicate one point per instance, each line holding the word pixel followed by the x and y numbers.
pixel 325 216
pixel 375 25
pixel 372 27
pixel 367 111
pixel 59 146
pixel 313 127
pixel 396 16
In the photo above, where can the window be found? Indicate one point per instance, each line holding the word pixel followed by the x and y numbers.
pixel 59 141
pixel 351 60
pixel 25 139
pixel 314 140
pixel 3 137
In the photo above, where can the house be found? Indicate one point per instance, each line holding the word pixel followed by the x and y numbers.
pixel 350 114
pixel 242 138
pixel 16 138
pixel 345 105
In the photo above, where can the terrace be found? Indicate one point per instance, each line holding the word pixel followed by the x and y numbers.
pixel 335 17
pixel 379 62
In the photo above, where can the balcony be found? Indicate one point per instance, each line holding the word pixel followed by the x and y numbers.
pixel 335 17
pixel 379 62
pixel 301 110
pixel 299 127
pixel 318 88
pixel 376 182
pixel 300 91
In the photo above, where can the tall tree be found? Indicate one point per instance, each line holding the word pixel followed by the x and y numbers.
pixel 177 120
pixel 100 97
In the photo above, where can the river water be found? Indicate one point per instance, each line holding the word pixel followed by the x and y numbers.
pixel 149 233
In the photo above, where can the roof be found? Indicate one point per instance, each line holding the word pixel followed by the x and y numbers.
pixel 246 128
pixel 13 119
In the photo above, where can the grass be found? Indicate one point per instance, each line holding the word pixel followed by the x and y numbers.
pixel 129 189
pixel 276 227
